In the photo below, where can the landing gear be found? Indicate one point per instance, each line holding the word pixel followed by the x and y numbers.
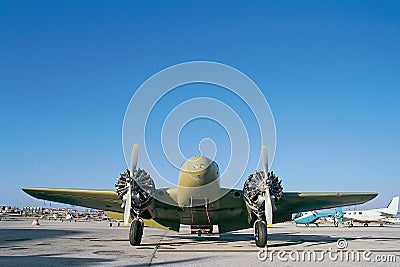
pixel 365 224
pixel 336 224
pixel 260 233
pixel 136 232
pixel 199 232
pixel 307 224
pixel 381 224
pixel 351 224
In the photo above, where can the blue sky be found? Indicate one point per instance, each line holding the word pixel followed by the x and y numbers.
pixel 330 71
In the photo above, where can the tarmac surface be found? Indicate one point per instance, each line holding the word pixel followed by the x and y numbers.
pixel 56 243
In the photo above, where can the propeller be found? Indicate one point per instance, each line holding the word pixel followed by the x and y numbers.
pixel 267 197
pixel 128 196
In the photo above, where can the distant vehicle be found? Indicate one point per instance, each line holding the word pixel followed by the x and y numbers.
pixel 57 216
pixel 374 215
pixel 313 217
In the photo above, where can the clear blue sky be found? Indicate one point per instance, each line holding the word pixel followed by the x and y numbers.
pixel 329 69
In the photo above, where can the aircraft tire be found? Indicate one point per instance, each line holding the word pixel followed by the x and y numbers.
pixel 136 232
pixel 336 224
pixel 260 234
pixel 365 224
pixel 350 224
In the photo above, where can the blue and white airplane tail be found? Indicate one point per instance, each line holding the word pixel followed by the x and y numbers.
pixel 339 214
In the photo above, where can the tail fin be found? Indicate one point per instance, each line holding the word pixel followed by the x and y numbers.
pixel 339 214
pixel 393 206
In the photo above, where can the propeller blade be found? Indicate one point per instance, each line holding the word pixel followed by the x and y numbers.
pixel 265 161
pixel 268 208
pixel 134 159
pixel 268 202
pixel 128 203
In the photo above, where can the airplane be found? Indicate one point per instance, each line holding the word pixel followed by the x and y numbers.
pixel 313 216
pixel 374 215
pixel 3 214
pixel 392 220
pixel 13 214
pixel 261 203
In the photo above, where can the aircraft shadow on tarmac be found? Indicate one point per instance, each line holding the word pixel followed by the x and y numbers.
pixel 175 262
pixel 283 239
pixel 275 240
pixel 8 236
pixel 49 260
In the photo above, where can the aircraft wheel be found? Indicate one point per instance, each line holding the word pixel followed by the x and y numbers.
pixel 199 232
pixel 350 224
pixel 336 224
pixel 381 224
pixel 307 224
pixel 260 234
pixel 317 224
pixel 136 232
pixel 365 224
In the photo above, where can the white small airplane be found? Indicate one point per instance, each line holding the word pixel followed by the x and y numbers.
pixel 374 215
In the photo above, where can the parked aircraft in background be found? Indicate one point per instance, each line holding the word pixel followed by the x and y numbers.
pixel 199 200
pixel 374 215
pixel 392 220
pixel 313 217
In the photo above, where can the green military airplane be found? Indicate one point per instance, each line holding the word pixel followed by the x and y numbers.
pixel 199 200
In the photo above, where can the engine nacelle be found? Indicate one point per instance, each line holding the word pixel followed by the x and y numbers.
pixel 143 188
pixel 253 189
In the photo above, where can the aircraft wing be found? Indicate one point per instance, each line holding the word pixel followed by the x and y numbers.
pixel 236 215
pixel 231 215
pixel 298 202
pixel 96 199
pixel 158 215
